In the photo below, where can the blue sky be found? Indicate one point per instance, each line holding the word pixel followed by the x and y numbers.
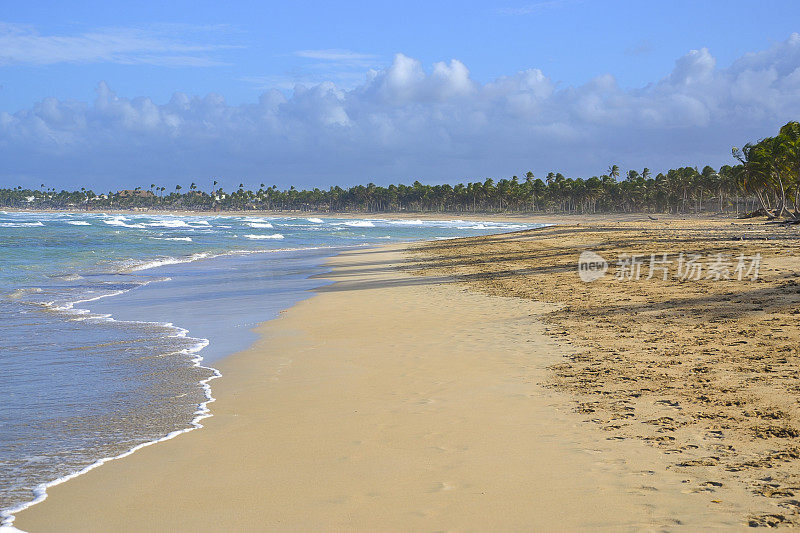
pixel 341 113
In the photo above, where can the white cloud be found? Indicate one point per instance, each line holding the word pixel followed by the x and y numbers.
pixel 407 121
pixel 157 45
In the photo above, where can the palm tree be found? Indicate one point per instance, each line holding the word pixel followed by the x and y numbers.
pixel 789 160
pixel 768 174
pixel 758 176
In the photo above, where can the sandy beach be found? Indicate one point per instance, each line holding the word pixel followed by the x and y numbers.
pixel 515 266
pixel 703 369
pixel 392 400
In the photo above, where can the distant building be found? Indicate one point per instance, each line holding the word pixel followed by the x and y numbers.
pixel 136 194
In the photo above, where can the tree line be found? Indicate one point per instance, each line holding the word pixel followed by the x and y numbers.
pixel 765 179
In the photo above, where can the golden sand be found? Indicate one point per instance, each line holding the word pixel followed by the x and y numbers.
pixel 390 402
pixel 705 371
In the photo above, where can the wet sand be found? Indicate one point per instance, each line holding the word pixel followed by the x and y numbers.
pixel 390 401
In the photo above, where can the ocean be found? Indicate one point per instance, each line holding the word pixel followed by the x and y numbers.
pixel 111 324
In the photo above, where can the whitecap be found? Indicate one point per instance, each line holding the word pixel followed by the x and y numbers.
pixel 416 222
pixel 265 225
pixel 20 224
pixel 167 261
pixel 168 224
pixel 316 220
pixel 259 237
pixel 121 222
pixel 360 224
pixel 78 223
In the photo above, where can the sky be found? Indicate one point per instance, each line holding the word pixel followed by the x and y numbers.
pixel 110 94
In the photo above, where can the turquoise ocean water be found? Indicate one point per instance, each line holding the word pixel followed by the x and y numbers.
pixel 111 324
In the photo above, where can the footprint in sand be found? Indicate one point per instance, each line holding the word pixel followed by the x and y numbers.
pixel 442 486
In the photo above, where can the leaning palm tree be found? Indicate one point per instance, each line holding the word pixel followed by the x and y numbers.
pixel 788 147
pixel 613 171
pixel 756 176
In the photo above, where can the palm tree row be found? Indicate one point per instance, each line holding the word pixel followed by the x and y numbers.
pixel 765 177
pixel 679 190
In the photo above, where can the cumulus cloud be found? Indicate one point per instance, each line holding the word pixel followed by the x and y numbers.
pixel 164 45
pixel 407 122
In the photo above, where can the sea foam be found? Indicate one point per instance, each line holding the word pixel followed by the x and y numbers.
pixel 146 265
pixel 261 237
pixel 121 222
pixel 359 224
pixel 215 234
pixel 20 224
pixel 168 224
pixel 40 491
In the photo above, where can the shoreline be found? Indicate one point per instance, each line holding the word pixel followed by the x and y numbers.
pixel 40 492
pixel 364 279
pixel 532 217
pixel 196 358
pixel 121 448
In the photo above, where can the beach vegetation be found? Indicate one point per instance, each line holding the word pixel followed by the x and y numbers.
pixel 764 179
